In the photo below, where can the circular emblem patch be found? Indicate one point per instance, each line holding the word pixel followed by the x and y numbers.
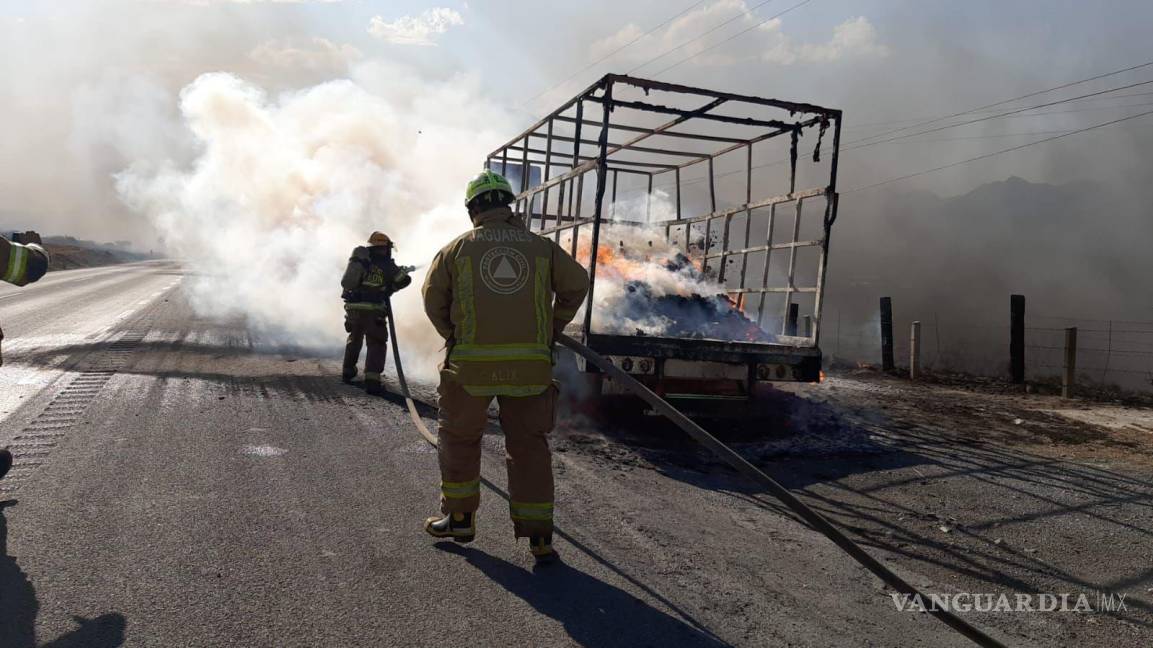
pixel 504 270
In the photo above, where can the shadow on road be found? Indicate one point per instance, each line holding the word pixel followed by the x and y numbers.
pixel 593 612
pixel 789 428
pixel 19 607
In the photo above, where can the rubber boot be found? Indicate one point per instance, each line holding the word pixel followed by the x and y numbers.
pixel 542 550
pixel 373 388
pixel 347 376
pixel 5 461
pixel 461 527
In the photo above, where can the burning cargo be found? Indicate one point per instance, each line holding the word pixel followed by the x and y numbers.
pixel 648 286
pixel 707 252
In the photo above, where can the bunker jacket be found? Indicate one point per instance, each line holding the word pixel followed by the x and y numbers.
pixel 371 276
pixel 496 294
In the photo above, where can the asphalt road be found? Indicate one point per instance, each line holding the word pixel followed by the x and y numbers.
pixel 179 483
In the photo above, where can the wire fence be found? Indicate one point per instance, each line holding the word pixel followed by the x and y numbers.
pixel 1109 351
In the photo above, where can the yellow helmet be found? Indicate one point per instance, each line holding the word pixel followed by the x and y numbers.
pixel 379 238
pixel 489 181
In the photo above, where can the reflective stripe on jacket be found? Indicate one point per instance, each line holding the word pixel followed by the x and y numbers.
pixel 22 264
pixel 372 277
pixel 495 294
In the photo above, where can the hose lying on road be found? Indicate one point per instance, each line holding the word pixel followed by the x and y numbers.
pixel 730 456
pixel 815 520
pixel 412 413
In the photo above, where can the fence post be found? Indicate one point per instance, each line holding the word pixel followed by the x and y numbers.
pixel 915 351
pixel 1070 362
pixel 1017 338
pixel 886 333
pixel 791 322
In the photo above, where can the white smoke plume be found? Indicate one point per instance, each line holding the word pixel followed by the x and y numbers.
pixel 284 187
pixel 639 266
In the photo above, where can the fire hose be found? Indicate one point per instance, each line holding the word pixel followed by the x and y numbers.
pixel 413 414
pixel 738 463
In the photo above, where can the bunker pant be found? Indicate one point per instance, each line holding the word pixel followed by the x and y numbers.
pixel 526 421
pixel 362 327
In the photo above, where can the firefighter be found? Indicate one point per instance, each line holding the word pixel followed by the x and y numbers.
pixel 369 279
pixel 22 261
pixel 499 295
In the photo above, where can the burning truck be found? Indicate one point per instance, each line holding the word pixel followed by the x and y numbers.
pixel 703 219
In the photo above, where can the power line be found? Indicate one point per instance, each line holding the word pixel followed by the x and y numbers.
pixel 615 52
pixel 864 144
pixel 693 40
pixel 1078 110
pixel 1015 99
pixel 1056 112
pixel 910 141
pixel 861 143
pixel 737 35
pixel 995 153
pixel 865 141
pixel 990 136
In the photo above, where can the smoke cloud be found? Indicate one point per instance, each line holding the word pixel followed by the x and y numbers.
pixel 282 188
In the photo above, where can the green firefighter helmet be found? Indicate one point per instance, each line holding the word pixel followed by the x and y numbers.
pixel 489 181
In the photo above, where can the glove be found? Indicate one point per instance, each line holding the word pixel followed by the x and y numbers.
pixel 347 326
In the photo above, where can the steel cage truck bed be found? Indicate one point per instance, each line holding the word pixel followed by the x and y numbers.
pixel 742 192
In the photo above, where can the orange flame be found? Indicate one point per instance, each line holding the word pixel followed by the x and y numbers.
pixel 620 264
pixel 616 263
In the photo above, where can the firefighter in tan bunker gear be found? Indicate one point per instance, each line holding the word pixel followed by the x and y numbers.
pixel 369 279
pixel 22 261
pixel 499 295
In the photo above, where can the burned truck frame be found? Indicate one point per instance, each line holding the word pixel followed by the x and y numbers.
pixel 724 177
